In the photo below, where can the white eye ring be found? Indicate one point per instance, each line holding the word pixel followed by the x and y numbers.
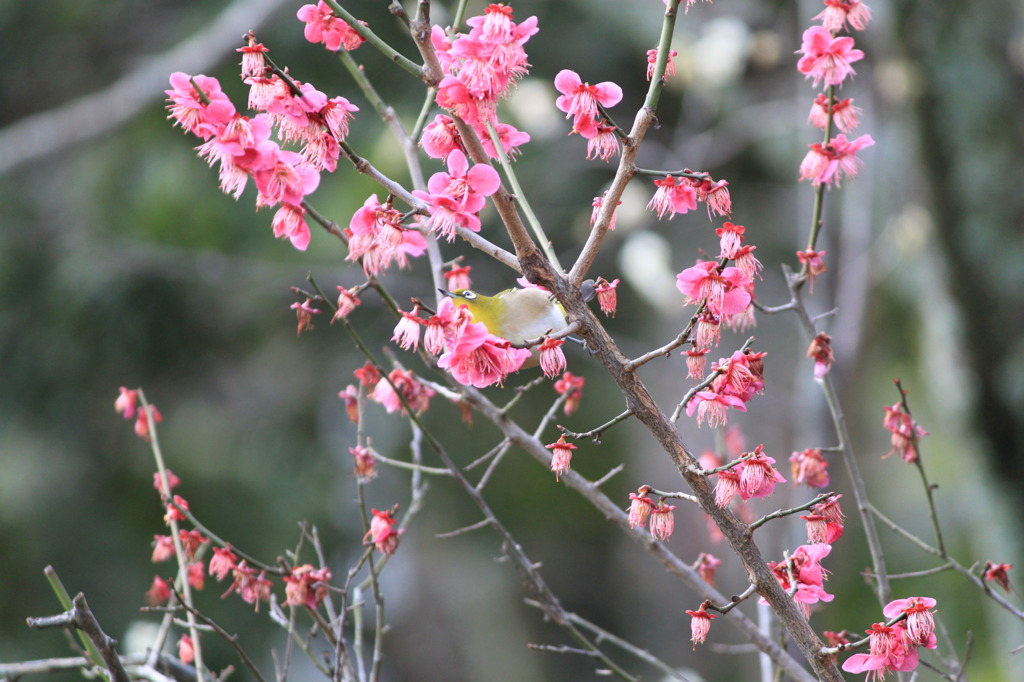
pixel 468 295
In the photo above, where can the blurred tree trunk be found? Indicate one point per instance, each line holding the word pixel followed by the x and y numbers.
pixel 968 58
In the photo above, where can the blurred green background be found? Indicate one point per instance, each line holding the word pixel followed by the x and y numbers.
pixel 122 264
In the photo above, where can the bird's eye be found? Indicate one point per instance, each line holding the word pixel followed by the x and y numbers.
pixel 468 295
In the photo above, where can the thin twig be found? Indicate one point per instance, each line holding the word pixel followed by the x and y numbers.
pixel 483 523
pixel 230 639
pixel 603 635
pixel 179 549
pixel 929 489
pixel 779 513
pixel 595 433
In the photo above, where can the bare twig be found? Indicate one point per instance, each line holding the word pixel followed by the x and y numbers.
pixel 604 635
pixel 230 639
pixel 81 618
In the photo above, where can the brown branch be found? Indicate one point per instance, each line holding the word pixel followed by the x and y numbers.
pixel 673 564
pixel 80 617
pixel 645 409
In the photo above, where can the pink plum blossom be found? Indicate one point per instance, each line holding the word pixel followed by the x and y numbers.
pixel 673 196
pixel 222 562
pixel 348 299
pixel 510 138
pixel 407 331
pixel 552 357
pixel 661 522
pixel 561 455
pixel 838 13
pixel 670 66
pixel 725 291
pixel 905 431
pixel 572 387
pixel 810 468
pixel 607 299
pixel 323 27
pixel 920 623
pixel 706 565
pixel 820 351
pixel 440 137
pixel 473 355
pixel 202 115
pixel 814 263
pixel 827 164
pixel 826 57
pixel 758 476
pixel 580 100
pixel 845 116
pixel 1000 573
pixel 402 385
pixel 808 574
pixel 253 63
pixel 713 407
pixel 700 624
pixel 382 533
pixel 640 506
pixel 455 197
pixel 306 586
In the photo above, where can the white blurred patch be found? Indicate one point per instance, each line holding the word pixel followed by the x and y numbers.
pixel 898 80
pixel 766 49
pixel 141 635
pixel 533 104
pixel 720 54
pixel 645 264
pixel 633 210
pixel 688 674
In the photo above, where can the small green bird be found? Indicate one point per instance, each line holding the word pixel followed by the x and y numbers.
pixel 517 315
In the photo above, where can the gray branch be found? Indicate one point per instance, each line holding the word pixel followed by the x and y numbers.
pixel 39 135
pixel 81 618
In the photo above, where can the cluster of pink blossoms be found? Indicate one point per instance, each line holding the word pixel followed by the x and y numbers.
pixel 808 577
pixel 680 194
pixel 401 388
pixel 473 355
pixel 810 468
pixel 724 294
pixel 893 647
pixel 826 59
pixel 323 27
pixel 657 516
pixel 382 534
pixel 825 521
pixel 456 197
pixel 241 146
pixel 739 379
pixel 753 476
pixel 127 405
pixel 905 432
pixel 304 585
pixel 580 102
pixel 480 69
pixel 376 237
pixel 570 386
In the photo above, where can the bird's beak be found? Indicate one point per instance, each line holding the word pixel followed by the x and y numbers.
pixel 445 292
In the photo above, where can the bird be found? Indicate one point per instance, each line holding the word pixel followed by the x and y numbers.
pixel 517 315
